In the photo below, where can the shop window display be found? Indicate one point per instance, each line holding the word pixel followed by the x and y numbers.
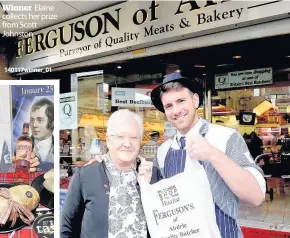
pixel 267 138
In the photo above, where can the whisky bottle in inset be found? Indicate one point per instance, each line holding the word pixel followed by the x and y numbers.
pixel 23 152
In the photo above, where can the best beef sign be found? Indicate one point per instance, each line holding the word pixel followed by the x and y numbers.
pixel 136 24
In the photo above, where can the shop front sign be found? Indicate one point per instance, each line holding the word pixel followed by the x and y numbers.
pixel 138 24
pixel 243 79
pixel 131 97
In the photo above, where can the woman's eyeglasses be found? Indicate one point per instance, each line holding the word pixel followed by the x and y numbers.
pixel 121 138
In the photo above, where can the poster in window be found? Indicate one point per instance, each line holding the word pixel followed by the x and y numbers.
pixel 34 104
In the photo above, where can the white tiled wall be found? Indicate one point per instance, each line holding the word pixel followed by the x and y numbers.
pixel 5 117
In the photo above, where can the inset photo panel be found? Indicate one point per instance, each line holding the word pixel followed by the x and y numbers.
pixel 29 120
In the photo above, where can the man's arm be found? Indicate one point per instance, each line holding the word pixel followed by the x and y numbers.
pixel 238 170
pixel 73 210
pixel 97 158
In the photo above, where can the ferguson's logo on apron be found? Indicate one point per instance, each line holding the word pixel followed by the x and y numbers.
pixel 168 196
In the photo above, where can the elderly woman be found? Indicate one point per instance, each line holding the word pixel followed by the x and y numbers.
pixel 103 199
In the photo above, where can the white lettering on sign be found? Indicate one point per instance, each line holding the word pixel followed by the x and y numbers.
pixel 246 78
pixel 134 97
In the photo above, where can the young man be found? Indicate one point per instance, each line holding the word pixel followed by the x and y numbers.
pixel 222 152
pixel 42 125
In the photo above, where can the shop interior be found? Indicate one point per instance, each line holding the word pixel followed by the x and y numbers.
pixel 262 110
pixel 269 103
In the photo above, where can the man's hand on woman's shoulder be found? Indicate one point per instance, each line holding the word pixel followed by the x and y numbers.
pixel 97 158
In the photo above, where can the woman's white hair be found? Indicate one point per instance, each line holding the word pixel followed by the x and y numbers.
pixel 123 116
